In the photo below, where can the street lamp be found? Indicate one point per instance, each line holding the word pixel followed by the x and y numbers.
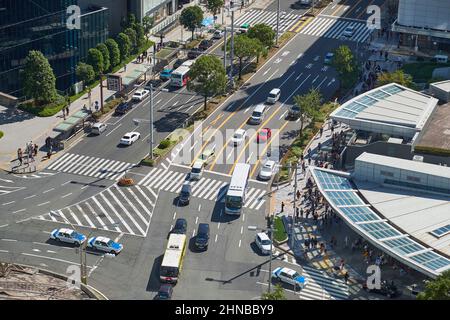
pixel 83 264
pixel 137 121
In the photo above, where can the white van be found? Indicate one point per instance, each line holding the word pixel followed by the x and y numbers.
pixel 274 96
pixel 196 171
pixel 258 114
pixel 98 128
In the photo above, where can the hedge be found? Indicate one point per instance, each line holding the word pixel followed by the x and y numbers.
pixel 47 110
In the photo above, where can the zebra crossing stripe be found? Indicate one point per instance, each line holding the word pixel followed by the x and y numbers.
pixel 175 181
pixel 157 179
pixel 79 161
pixel 101 170
pixel 119 203
pixel 94 164
pixel 336 32
pixel 115 170
pixel 326 25
pixel 165 177
pixel 96 215
pixel 145 196
pixel 201 188
pixel 78 222
pixel 62 161
pixel 147 177
pixel 116 213
pixel 214 189
pixel 132 206
pixel 257 199
pixel 250 196
pixel 140 202
pixel 59 161
pixel 170 180
pixel 111 221
pixel 176 187
pixel 152 192
pixel 85 216
pixel 94 167
pixel 206 189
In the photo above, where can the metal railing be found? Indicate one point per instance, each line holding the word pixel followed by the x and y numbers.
pixel 165 23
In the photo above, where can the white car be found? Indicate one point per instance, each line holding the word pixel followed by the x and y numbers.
pixel 68 235
pixel 289 276
pixel 348 32
pixel 105 244
pixel 263 242
pixel 218 34
pixel 188 63
pixel 238 137
pixel 129 138
pixel 206 156
pixel 267 170
pixel 140 95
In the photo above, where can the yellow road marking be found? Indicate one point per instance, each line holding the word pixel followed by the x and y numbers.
pixel 296 25
pixel 304 25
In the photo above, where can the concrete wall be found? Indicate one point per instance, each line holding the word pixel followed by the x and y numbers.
pixel 8 101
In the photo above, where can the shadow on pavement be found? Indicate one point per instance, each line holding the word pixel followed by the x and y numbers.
pixel 153 283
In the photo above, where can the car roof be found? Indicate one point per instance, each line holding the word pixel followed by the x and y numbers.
pixel 288 271
pixel 181 220
pixel 98 124
pixel 329 54
pixel 260 107
pixel 241 131
pixel 203 227
pixel 103 239
pixel 263 236
pixel 66 230
pixel 275 90
pixel 264 129
pixel 270 163
pixel 198 164
pixel 208 151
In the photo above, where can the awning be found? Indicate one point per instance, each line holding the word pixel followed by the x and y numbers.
pixel 82 114
pixel 63 127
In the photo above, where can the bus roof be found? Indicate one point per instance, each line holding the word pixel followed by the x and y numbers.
pixel 181 70
pixel 174 250
pixel 239 179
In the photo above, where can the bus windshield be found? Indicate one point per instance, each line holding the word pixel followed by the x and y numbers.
pixel 169 271
pixel 234 202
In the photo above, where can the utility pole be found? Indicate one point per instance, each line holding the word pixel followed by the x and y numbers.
pixel 151 122
pixel 225 49
pixel 101 92
pixel 295 208
pixel 271 253
pixel 232 8
pixel 278 22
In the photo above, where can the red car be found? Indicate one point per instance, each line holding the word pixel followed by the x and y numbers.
pixel 263 135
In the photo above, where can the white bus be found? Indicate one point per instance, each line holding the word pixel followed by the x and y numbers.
pixel 173 258
pixel 179 77
pixel 235 197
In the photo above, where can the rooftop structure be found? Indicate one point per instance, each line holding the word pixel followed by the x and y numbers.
pixel 400 206
pixel 390 109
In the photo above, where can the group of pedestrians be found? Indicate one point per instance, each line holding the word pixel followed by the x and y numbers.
pixel 31 150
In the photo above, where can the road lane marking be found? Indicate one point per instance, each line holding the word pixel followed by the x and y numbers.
pixel 215 240
pixel 36 250
pixel 19 210
pixel 46 191
pixel 218 225
pixel 10 240
pixel 5 204
pixel 118 237
pixel 29 197
pixel 43 203
pixel 51 251
pixel 243 217
pixel 193 232
pixel 174 215
pixel 240 243
pixel 66 183
pixel 282 116
pixel 51 258
pixel 196 220
pixel 5 225
pixel 242 229
pixel 66 195
pixel 111 131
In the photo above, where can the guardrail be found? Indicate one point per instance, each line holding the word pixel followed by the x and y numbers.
pixel 165 23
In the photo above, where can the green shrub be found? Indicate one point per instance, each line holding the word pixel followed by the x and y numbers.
pixel 164 144
pixel 47 110
pixel 279 234
pixel 192 44
pixel 148 162
pixel 1 134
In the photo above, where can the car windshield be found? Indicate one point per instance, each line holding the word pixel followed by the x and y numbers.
pixel 295 275
pixel 180 224
pixel 126 137
pixel 263 133
pixel 256 114
pixel 234 202
pixel 75 234
pixel 176 76
pixel 265 242
pixel 195 170
pixel 272 95
pixel 110 243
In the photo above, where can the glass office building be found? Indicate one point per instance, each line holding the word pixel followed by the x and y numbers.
pixel 42 25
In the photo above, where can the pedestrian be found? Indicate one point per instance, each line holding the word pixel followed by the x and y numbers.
pixel 346 240
pixel 282 206
pixel 64 113
pixel 346 276
pixel 19 155
pixel 321 131
pixel 297 213
pixel 301 213
pixel 298 194
pixel 67 110
pixel 125 68
pixel 309 161
pixel 307 243
pixel 319 146
pixel 35 149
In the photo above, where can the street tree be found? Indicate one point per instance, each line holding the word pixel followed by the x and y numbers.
pixel 85 73
pixel 131 33
pixel 191 18
pixel 397 76
pixel 245 48
pixel 140 35
pixel 147 23
pixel 309 104
pixel 214 7
pixel 105 53
pixel 437 289
pixel 207 77
pixel 343 60
pixel 124 44
pixel 264 33
pixel 95 59
pixel 114 52
pixel 128 21
pixel 38 78
pixel 276 294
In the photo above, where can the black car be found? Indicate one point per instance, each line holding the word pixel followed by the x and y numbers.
pixel 202 238
pixel 205 44
pixel 180 227
pixel 165 292
pixel 387 289
pixel 185 194
pixel 178 63
pixel 123 108
pixel 194 53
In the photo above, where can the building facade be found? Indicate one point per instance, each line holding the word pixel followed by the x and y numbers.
pixel 42 25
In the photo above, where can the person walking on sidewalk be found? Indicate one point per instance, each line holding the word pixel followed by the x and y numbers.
pixel 321 131
pixel 298 194
pixel 282 206
pixel 19 156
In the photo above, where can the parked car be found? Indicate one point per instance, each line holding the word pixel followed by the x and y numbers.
pixel 129 138
pixel 194 53
pixel 294 112
pixel 267 170
pixel 218 34
pixel 239 137
pixel 205 44
pixel 105 244
pixel 202 238
pixel 263 242
pixel 140 95
pixel 123 108
pixel 180 227
pixel 264 135
pixel 67 235
pixel 244 28
pixel 165 74
pixel 328 58
pixel 165 292
pixel 185 194
pixel 289 276
pixel 98 127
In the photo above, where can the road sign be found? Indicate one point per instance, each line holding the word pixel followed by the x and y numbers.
pixel 114 82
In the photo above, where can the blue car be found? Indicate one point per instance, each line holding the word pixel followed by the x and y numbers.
pixel 289 276
pixel 165 74
pixel 68 235
pixel 105 244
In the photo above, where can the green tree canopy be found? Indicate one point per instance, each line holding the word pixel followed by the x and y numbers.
pixel 128 22
pixel 214 6
pixel 264 33
pixel 309 104
pixel 437 289
pixel 140 35
pixel 85 73
pixel 207 77
pixel 276 294
pixel 124 44
pixel 147 23
pixel 191 18
pixel 397 76
pixel 114 52
pixel 246 48
pixel 38 78
pixel 131 33
pixel 105 53
pixel 343 60
pixel 95 59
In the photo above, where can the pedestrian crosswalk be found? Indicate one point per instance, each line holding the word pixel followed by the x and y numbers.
pixel 255 16
pixel 327 27
pixel 131 208
pixel 37 175
pixel 205 188
pixel 90 166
